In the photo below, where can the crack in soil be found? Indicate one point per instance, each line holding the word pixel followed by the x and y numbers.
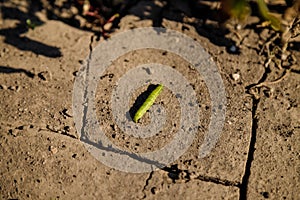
pixel 256 99
pixel 215 180
pixel 255 102
pixel 147 183
pixel 185 176
pixel 244 185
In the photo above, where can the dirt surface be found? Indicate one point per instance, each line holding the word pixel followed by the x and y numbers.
pixel 257 155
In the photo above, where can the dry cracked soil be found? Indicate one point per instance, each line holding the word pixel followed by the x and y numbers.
pixel 257 155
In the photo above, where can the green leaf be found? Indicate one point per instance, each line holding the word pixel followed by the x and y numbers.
pixel 30 24
pixel 264 11
pixel 238 9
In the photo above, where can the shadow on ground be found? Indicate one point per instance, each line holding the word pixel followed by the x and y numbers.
pixel 10 70
pixel 206 12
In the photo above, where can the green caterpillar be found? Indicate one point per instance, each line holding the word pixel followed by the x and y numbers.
pixel 148 103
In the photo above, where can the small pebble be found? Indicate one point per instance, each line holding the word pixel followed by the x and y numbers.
pixel 233 49
pixel 13 132
pixel 15 88
pixel 53 149
pixel 45 75
pixel 67 113
pixel 284 56
pixel 18 88
pixel 76 73
pixel 108 26
pixel 3 87
pixel 235 76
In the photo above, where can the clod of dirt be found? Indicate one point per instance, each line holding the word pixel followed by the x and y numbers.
pixel 66 113
pixel 14 88
pixel 53 149
pixel 153 190
pixel 4 50
pixel 45 75
pixel 26 127
pixel 75 73
pixel 19 130
pixel 13 132
pixel 52 128
pixel 3 87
